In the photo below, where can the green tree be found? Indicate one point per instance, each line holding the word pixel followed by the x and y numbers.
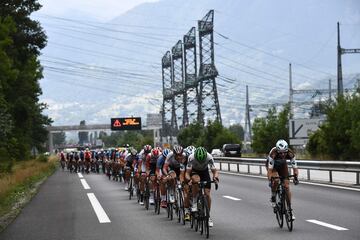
pixel 238 130
pixel 191 135
pixel 213 135
pixel 339 136
pixel 21 40
pixel 266 131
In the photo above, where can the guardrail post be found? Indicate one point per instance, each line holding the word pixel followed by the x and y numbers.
pixel 238 169
pixel 308 174
pixel 357 178
pixel 330 176
pixel 229 167
pixel 248 168
pixel 220 166
pixel 260 170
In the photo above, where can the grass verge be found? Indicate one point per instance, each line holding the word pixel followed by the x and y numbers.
pixel 19 186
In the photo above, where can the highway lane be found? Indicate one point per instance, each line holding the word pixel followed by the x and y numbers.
pixel 62 210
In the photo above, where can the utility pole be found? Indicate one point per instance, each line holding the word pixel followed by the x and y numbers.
pixel 329 90
pixel 247 133
pixel 291 94
pixel 341 51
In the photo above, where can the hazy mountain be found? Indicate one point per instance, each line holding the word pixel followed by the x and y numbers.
pixel 113 69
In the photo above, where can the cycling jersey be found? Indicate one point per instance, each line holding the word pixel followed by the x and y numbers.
pixel 142 160
pixel 131 159
pixel 160 164
pixel 151 163
pixel 194 164
pixel 278 163
pixel 172 164
pixel 275 158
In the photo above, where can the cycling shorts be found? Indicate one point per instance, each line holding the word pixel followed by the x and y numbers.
pixel 204 176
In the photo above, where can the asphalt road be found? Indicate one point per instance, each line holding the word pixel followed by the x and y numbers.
pixel 62 210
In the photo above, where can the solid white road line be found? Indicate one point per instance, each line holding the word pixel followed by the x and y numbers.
pixel 80 175
pixel 232 198
pixel 84 183
pixel 302 182
pixel 100 213
pixel 327 225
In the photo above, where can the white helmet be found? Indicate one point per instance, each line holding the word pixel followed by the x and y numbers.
pixel 282 145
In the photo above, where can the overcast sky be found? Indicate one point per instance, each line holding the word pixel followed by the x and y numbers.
pixel 101 10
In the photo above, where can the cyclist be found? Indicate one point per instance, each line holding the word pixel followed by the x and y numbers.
pixel 151 160
pixel 188 151
pixel 160 175
pixel 174 168
pixel 142 170
pixel 276 166
pixel 198 170
pixel 130 162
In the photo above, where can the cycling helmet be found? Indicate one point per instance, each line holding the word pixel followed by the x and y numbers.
pixel 147 148
pixel 165 152
pixel 155 153
pixel 191 149
pixel 178 149
pixel 282 146
pixel 133 151
pixel 200 154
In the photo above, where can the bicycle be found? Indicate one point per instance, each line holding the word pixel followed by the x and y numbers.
pixel 201 218
pixel 180 210
pixel 157 197
pixel 170 199
pixel 283 205
pixel 147 193
pixel 131 188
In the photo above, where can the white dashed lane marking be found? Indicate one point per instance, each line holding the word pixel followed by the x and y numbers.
pixel 80 175
pixel 85 184
pixel 232 198
pixel 327 225
pixel 100 213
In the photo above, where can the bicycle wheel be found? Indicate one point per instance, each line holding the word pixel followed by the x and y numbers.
pixel 206 217
pixel 201 214
pixel 131 190
pixel 288 212
pixel 279 209
pixel 180 207
pixel 155 199
pixel 146 196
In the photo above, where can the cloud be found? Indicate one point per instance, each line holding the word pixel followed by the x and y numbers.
pixel 102 10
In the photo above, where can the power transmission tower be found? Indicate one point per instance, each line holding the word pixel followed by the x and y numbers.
pixel 191 94
pixel 177 85
pixel 341 51
pixel 166 112
pixel 208 101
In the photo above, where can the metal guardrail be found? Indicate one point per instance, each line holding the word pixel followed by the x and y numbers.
pixel 308 165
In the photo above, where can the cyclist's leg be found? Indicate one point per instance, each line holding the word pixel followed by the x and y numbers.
pixel 163 191
pixel 171 183
pixel 205 176
pixel 284 172
pixel 195 178
pixel 274 185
